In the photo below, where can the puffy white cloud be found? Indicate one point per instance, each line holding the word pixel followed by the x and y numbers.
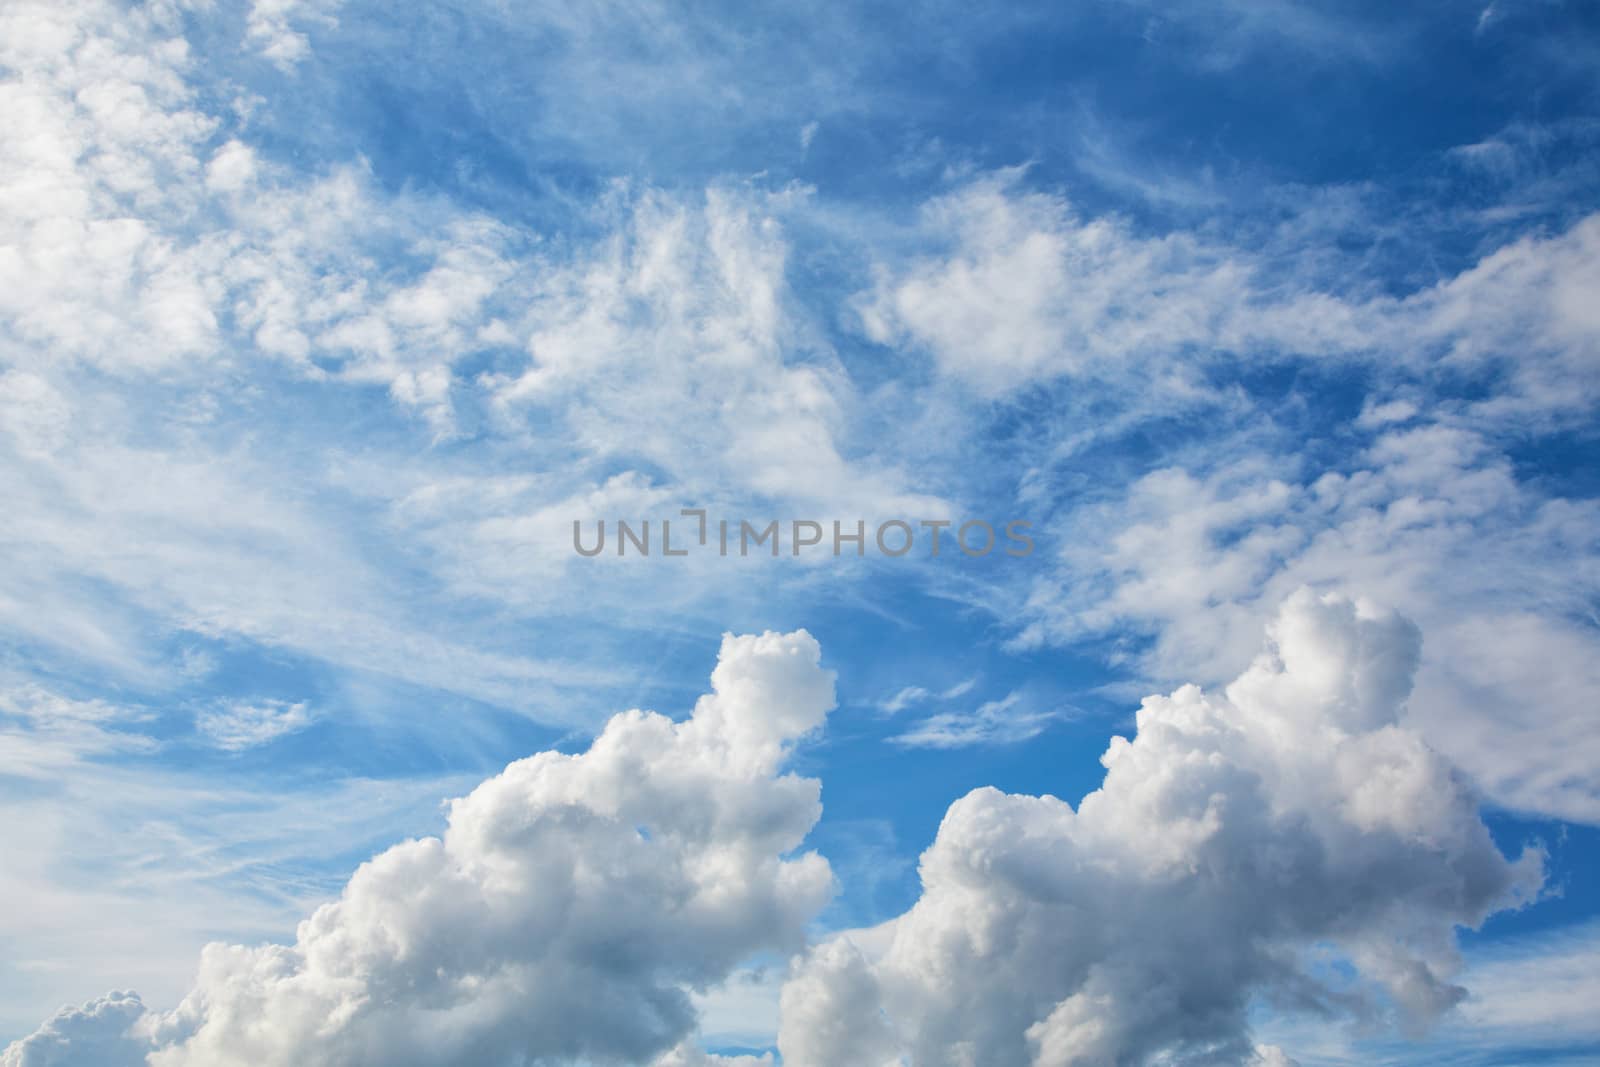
pixel 833 1007
pixel 568 911
pixel 1285 839
pixel 97 1033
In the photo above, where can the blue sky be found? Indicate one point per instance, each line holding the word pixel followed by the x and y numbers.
pixel 322 322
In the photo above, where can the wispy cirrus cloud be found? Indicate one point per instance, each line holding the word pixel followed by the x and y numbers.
pixel 1006 721
pixel 913 695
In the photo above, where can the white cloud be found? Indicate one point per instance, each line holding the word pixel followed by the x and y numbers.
pixel 145 243
pixel 913 695
pixel 236 725
pixel 1029 291
pixel 832 1008
pixel 109 543
pixel 103 131
pixel 994 722
pixel 1021 289
pixel 1525 312
pixel 273 27
pixel 677 343
pixel 1220 34
pixel 1535 992
pixel 905 698
pixel 162 282
pixel 1387 413
pixel 136 261
pixel 1429 518
pixel 33 412
pixel 568 911
pixel 47 733
pixel 1237 840
pixel 96 1033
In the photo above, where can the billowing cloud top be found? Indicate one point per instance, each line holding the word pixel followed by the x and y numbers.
pixel 1285 839
pixel 566 914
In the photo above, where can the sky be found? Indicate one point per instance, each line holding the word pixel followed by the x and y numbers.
pixel 1263 336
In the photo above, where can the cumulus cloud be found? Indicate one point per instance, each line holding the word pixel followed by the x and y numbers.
pixel 1284 839
pixel 97 1033
pixel 567 913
